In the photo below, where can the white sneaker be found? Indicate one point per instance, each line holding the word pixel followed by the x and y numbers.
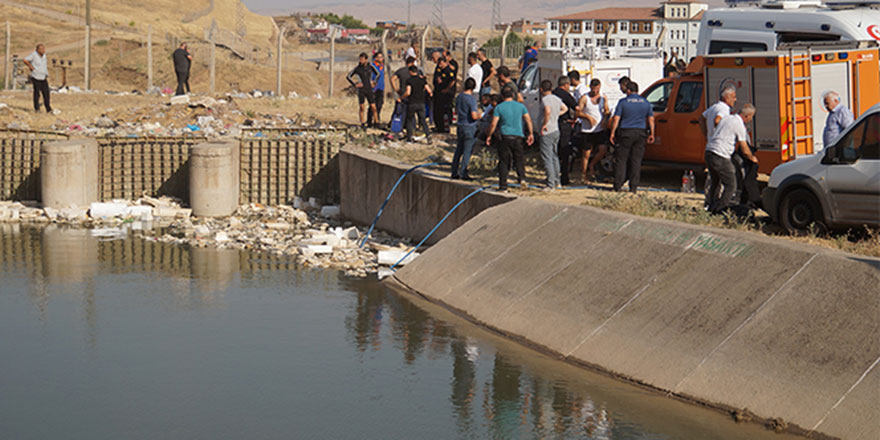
pixel 56 112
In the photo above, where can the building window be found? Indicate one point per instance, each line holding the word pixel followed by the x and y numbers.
pixel 646 27
pixel 600 26
pixel 588 25
pixel 611 42
pixel 576 27
pixel 622 42
pixel 576 42
pixel 635 43
pixel 600 42
pixel 624 26
pixel 554 42
pixel 648 43
pixel 554 25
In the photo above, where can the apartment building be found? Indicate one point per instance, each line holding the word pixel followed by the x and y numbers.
pixel 673 28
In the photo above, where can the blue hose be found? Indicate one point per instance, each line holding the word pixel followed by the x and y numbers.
pixel 477 191
pixel 394 188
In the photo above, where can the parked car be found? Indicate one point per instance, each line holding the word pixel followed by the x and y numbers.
pixel 839 187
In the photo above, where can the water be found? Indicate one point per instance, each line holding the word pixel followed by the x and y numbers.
pixel 133 339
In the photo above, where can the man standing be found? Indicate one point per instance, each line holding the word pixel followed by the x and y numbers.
pixel 468 115
pixel 475 72
pixel 398 80
pixel 580 89
pixel 39 76
pixel 444 87
pixel 416 92
pixel 505 81
pixel 508 117
pixel 361 77
pixel 713 115
pixel 378 80
pixel 182 62
pixel 529 57
pixel 412 52
pixel 632 125
pixel 594 118
pixel 553 109
pixel 452 64
pixel 839 118
pixel 488 72
pixel 729 135
pixel 567 121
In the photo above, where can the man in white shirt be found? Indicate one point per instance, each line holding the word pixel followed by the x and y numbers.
pixel 475 72
pixel 578 87
pixel 39 76
pixel 712 116
pixel 729 135
pixel 412 52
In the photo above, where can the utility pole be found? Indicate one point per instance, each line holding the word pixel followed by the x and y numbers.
pixel 408 13
pixel 88 60
pixel 422 47
pixel 504 43
pixel 496 15
pixel 464 56
pixel 149 57
pixel 213 62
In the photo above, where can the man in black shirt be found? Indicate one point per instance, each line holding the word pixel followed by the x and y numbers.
pixel 488 72
pixel 452 65
pixel 416 93
pixel 444 86
pixel 566 125
pixel 182 61
pixel 361 77
pixel 398 80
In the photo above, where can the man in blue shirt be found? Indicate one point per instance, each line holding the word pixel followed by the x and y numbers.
pixel 468 115
pixel 631 126
pixel 529 57
pixel 508 117
pixel 378 78
pixel 839 118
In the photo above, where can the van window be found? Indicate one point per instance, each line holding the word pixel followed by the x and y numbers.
pixel 794 37
pixel 689 96
pixel 716 47
pixel 862 142
pixel 528 79
pixel 658 96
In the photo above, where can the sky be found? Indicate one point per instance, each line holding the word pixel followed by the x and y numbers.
pixel 456 13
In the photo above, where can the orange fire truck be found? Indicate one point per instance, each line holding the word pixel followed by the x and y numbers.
pixel 786 87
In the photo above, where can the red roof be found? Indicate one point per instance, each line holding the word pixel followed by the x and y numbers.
pixel 614 14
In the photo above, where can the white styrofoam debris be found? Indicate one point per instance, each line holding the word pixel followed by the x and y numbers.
pixel 390 257
pixel 106 209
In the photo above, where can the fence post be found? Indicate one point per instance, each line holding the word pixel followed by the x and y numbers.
pixel 332 59
pixel 422 47
pixel 464 57
pixel 6 63
pixel 213 66
pixel 88 42
pixel 504 44
pixel 149 57
pixel 278 62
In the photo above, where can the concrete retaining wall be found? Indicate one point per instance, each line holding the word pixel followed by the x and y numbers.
pixel 419 203
pixel 738 321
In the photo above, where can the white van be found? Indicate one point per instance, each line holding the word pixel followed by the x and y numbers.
pixel 838 188
pixel 773 23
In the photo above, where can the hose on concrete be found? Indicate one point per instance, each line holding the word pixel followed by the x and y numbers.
pixel 394 188
pixel 437 226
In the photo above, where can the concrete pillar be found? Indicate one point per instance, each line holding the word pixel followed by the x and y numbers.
pixel 213 67
pixel 214 179
pixel 464 58
pixel 422 48
pixel 88 59
pixel 332 61
pixel 279 61
pixel 504 44
pixel 69 173
pixel 7 79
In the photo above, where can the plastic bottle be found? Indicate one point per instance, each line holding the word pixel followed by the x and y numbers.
pixel 685 182
pixel 692 182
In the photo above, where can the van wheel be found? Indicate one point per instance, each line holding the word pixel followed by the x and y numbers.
pixel 800 213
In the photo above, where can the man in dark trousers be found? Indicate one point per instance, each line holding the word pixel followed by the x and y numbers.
pixel 361 78
pixel 566 125
pixel 415 93
pixel 378 87
pixel 182 63
pixel 444 91
pixel 508 118
pixel 631 126
pixel 39 76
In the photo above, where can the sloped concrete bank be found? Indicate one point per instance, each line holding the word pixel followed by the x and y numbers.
pixel 773 330
pixel 417 205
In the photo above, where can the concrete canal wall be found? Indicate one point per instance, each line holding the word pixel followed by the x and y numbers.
pixel 788 333
pixel 417 205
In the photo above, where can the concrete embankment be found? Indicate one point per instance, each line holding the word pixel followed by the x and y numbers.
pixel 778 331
pixel 417 205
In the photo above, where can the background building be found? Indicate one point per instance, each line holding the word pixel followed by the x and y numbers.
pixel 673 28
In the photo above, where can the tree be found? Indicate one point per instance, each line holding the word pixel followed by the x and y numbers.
pixel 512 40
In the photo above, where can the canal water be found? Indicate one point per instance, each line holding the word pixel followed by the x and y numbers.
pixel 141 340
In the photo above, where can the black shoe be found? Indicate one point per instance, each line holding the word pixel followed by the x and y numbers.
pixel 454 177
pixel 467 178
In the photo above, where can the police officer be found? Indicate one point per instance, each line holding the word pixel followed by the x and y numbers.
pixel 631 126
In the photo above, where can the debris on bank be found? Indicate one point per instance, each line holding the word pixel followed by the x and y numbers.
pixel 313 234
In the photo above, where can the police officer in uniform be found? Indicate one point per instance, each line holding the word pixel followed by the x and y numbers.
pixel 631 126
